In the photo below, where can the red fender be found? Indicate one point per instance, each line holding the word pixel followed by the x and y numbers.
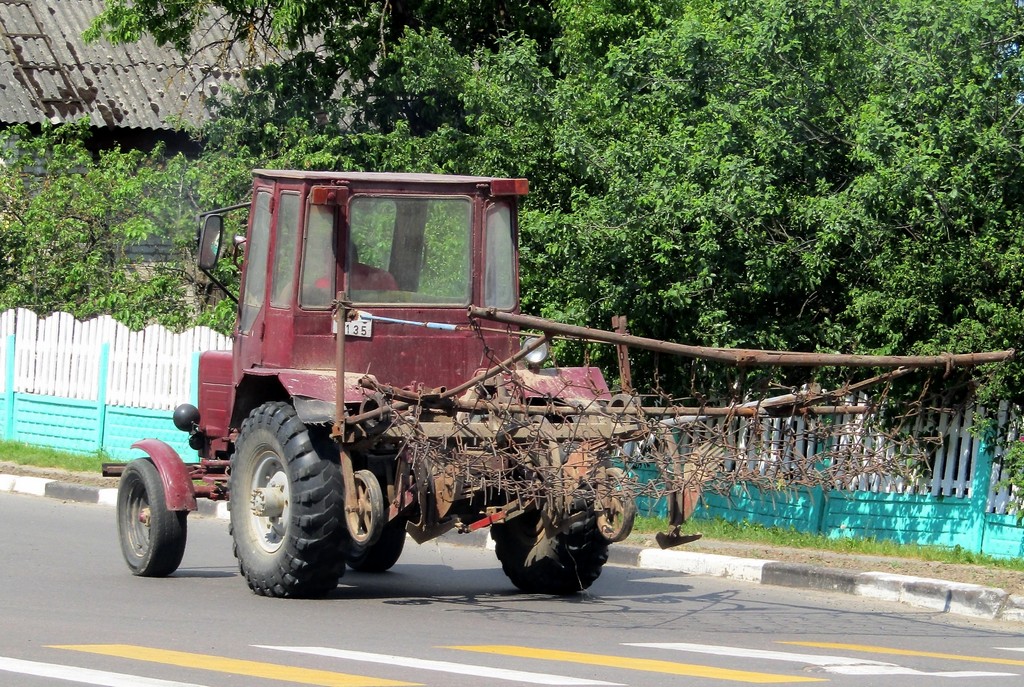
pixel 179 492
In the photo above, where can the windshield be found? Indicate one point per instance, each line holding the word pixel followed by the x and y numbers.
pixel 406 249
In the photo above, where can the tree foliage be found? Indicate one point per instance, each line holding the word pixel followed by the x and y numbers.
pixel 833 175
pixel 813 175
pixel 75 227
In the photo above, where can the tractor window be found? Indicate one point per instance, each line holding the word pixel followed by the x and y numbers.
pixel 318 261
pixel 257 249
pixel 406 249
pixel 500 268
pixel 282 288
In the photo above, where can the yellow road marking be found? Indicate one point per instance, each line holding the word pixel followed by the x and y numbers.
pixel 644 664
pixel 908 652
pixel 220 664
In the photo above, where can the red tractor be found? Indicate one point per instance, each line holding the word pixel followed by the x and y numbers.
pixel 370 394
pixel 379 387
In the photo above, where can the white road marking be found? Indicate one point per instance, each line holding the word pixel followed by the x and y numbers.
pixel 839 665
pixel 900 670
pixel 85 676
pixel 440 666
pixel 1009 648
pixel 737 652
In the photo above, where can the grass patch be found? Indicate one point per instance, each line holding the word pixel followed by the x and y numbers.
pixel 42 457
pixel 724 530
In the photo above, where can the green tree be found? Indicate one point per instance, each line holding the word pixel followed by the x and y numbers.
pixel 813 175
pixel 69 221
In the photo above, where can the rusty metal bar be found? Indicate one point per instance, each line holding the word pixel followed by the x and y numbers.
pixel 622 350
pixel 754 411
pixel 652 411
pixel 341 316
pixel 738 356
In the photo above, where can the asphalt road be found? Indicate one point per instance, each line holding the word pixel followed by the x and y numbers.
pixel 444 616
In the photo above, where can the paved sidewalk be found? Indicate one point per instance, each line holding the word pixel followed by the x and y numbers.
pixel 937 595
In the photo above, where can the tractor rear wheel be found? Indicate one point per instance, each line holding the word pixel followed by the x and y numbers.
pixel 287 513
pixel 536 563
pixel 152 537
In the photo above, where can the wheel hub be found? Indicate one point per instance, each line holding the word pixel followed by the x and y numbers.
pixel 269 497
pixel 364 510
pixel 268 502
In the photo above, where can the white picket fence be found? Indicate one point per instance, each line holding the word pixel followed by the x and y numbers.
pixel 61 356
pixel 770 445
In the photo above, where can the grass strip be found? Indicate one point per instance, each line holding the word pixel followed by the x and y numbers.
pixel 720 529
pixel 43 457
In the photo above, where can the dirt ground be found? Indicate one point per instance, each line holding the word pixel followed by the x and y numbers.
pixel 1010 580
pixel 91 479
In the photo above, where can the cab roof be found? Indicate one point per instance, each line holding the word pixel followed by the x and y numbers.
pixel 389 179
pixel 371 176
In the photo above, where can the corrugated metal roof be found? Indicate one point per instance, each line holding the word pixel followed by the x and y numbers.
pixel 47 72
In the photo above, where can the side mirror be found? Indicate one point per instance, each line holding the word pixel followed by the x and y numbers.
pixel 209 241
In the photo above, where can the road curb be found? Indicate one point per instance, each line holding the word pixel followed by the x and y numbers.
pixel 957 598
pixel 804 576
pixel 71 492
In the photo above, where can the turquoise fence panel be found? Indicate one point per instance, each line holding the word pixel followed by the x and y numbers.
pixel 7 414
pixel 61 423
pixel 125 426
pixel 652 507
pixel 101 397
pixel 981 483
pixel 647 505
pixel 1004 538
pixel 787 510
pixel 896 517
pixel 902 518
pixel 79 426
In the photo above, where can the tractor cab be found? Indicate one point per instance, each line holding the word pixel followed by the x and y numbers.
pixel 406 254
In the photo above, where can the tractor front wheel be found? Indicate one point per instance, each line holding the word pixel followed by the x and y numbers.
pixel 152 537
pixel 287 513
pixel 559 564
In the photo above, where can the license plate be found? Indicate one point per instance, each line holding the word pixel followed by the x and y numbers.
pixel 359 327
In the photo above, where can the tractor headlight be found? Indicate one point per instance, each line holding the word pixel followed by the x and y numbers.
pixel 537 355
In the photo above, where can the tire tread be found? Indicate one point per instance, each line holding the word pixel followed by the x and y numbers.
pixel 310 562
